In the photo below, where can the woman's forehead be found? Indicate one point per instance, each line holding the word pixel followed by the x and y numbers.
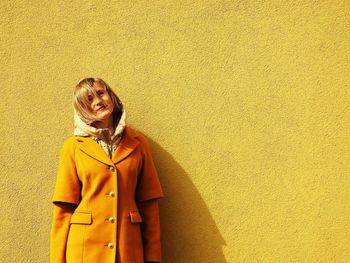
pixel 99 86
pixel 94 88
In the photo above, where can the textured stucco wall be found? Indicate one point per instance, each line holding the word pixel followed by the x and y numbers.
pixel 246 104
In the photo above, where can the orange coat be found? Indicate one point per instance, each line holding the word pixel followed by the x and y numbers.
pixel 115 216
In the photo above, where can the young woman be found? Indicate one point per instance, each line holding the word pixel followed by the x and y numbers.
pixel 107 189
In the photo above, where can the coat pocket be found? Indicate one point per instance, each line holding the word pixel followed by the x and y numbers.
pixel 135 216
pixel 81 217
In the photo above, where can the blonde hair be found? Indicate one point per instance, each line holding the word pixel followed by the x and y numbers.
pixel 81 103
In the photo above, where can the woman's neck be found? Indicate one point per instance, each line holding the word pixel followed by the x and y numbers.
pixel 105 124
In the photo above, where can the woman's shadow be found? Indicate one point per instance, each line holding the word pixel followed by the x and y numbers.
pixel 189 233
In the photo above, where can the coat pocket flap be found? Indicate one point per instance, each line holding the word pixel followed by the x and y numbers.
pixel 135 217
pixel 84 218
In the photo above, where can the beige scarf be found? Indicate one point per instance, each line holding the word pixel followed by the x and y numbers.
pixel 102 136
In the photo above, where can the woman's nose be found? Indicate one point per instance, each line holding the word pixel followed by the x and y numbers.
pixel 97 101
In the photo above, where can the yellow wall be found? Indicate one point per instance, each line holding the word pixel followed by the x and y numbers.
pixel 246 104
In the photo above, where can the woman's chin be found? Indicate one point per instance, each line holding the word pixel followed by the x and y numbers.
pixel 104 115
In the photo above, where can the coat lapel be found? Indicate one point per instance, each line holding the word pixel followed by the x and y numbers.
pixel 94 150
pixel 126 146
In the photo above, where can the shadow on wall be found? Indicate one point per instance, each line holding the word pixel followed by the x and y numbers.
pixel 189 233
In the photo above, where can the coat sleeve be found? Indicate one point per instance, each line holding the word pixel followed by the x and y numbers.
pixel 148 186
pixel 150 228
pixel 68 185
pixel 59 231
pixel 148 192
pixel 65 199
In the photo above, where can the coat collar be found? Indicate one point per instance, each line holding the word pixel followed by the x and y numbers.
pixel 126 146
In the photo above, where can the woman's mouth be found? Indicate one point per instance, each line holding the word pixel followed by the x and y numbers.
pixel 101 108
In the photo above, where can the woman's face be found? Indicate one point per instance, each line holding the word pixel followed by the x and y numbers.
pixel 101 105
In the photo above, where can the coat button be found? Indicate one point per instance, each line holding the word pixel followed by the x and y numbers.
pixel 111 194
pixel 110 245
pixel 111 168
pixel 111 219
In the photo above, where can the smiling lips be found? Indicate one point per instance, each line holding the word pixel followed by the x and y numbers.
pixel 101 108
